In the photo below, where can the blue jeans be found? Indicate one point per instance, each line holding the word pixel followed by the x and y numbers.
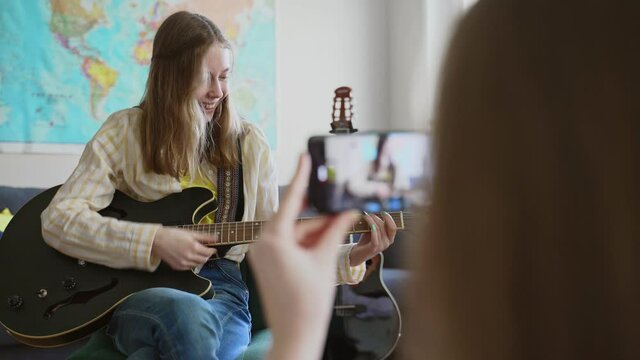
pixel 164 323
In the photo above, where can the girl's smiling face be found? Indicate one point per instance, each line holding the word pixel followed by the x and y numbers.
pixel 213 87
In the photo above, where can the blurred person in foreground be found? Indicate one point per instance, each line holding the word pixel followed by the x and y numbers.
pixel 531 248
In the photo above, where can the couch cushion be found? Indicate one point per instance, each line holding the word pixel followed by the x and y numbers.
pixel 14 197
pixel 5 216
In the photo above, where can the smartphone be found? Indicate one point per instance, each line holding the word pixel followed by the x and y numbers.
pixel 370 171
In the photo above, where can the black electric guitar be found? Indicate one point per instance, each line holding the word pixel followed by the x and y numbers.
pixel 51 299
pixel 366 322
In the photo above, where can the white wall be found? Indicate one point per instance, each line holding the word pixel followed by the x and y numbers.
pixel 407 37
pixel 373 46
pixel 37 170
pixel 323 45
pixel 441 16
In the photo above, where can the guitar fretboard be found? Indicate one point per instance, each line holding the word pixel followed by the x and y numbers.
pixel 245 232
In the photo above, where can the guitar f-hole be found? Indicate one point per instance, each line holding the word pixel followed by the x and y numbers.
pixel 81 297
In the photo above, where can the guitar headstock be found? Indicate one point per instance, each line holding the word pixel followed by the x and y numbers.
pixel 342 113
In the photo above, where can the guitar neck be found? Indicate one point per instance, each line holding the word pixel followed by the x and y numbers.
pixel 246 232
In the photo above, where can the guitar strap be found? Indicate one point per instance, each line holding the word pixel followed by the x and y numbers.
pixel 230 192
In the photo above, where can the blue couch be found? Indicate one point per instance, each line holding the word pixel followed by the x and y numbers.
pixel 13 198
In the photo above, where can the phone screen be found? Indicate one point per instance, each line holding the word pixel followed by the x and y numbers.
pixel 369 171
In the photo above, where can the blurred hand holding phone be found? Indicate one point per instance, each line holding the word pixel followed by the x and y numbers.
pixel 370 171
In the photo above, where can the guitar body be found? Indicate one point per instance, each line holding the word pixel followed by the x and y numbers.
pixel 366 321
pixel 50 299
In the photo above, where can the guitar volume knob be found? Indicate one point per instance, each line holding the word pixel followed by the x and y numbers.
pixel 15 302
pixel 69 283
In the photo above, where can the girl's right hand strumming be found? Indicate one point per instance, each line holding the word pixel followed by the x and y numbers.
pixel 182 249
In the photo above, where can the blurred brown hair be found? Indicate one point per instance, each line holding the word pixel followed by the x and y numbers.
pixel 174 134
pixel 532 247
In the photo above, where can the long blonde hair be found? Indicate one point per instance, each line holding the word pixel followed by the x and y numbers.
pixel 175 136
pixel 533 241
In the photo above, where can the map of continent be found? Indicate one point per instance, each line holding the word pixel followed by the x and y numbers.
pixel 65 65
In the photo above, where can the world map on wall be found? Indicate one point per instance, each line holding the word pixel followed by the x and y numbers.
pixel 65 65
